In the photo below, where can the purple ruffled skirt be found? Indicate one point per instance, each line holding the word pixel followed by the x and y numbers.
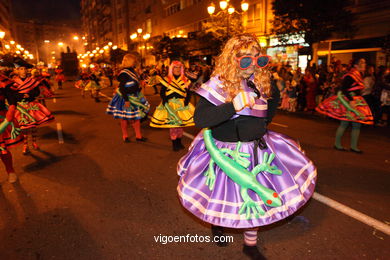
pixel 220 206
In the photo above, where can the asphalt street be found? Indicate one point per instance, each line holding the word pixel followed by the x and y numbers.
pixel 94 197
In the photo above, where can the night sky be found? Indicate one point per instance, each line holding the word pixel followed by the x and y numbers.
pixel 57 11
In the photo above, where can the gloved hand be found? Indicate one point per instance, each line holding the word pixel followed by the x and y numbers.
pixel 244 99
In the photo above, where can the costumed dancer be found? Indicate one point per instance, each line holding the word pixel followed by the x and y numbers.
pixel 29 113
pixel 349 106
pixel 60 77
pixel 9 127
pixel 129 104
pixel 88 82
pixel 238 174
pixel 175 111
pixel 94 84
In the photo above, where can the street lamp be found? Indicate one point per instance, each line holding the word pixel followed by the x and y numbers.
pixel 133 36
pixel 139 30
pixel 226 10
pixel 146 36
pixel 211 8
pixel 223 4
pixel 2 35
pixel 244 6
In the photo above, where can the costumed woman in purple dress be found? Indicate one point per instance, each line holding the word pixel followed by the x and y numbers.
pixel 238 174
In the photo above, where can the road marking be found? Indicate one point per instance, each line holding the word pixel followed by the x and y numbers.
pixel 59 133
pixel 353 213
pixel 54 100
pixel 342 208
pixel 285 126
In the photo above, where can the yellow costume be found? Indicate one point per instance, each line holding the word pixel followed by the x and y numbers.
pixel 172 112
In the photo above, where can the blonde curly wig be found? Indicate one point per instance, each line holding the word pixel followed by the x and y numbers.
pixel 228 71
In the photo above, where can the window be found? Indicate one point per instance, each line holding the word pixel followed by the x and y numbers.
pixel 170 10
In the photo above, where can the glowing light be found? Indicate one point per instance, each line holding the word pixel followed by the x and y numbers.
pixel 53 52
pixel 94 51
pixel 60 44
pixel 18 52
pixel 110 44
pixel 146 36
pixel 91 55
pixel 114 47
pixel 2 35
pixel 92 66
pixel 231 10
pixel 46 41
pixel 84 65
pixel 106 47
pixel 101 51
pixel 133 36
pixel 76 38
pixel 244 6
pixel 18 46
pixel 211 9
pixel 83 38
pixel 86 43
pixel 7 46
pixel 139 30
pixel 12 42
pixel 223 4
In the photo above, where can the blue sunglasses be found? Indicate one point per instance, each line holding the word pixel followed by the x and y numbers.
pixel 246 61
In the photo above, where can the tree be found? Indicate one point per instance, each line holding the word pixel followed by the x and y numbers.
pixel 223 26
pixel 175 48
pixel 317 20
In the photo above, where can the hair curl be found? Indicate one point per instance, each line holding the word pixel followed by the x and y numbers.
pixel 228 71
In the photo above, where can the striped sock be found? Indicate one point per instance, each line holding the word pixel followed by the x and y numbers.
pixel 250 237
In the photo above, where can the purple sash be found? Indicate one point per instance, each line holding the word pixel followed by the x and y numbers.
pixel 213 92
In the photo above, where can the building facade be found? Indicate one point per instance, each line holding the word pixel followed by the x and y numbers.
pixel 6 18
pixel 47 41
pixel 373 29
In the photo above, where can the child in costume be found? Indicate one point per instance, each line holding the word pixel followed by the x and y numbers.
pixel 89 82
pixel 60 77
pixel 238 174
pixel 29 113
pixel 175 110
pixel 349 106
pixel 129 104
pixel 9 127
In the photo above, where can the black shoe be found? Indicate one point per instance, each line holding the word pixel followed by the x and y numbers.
pixel 356 151
pixel 253 252
pixel 142 139
pixel 221 239
pixel 179 144
pixel 126 140
pixel 175 147
pixel 339 149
